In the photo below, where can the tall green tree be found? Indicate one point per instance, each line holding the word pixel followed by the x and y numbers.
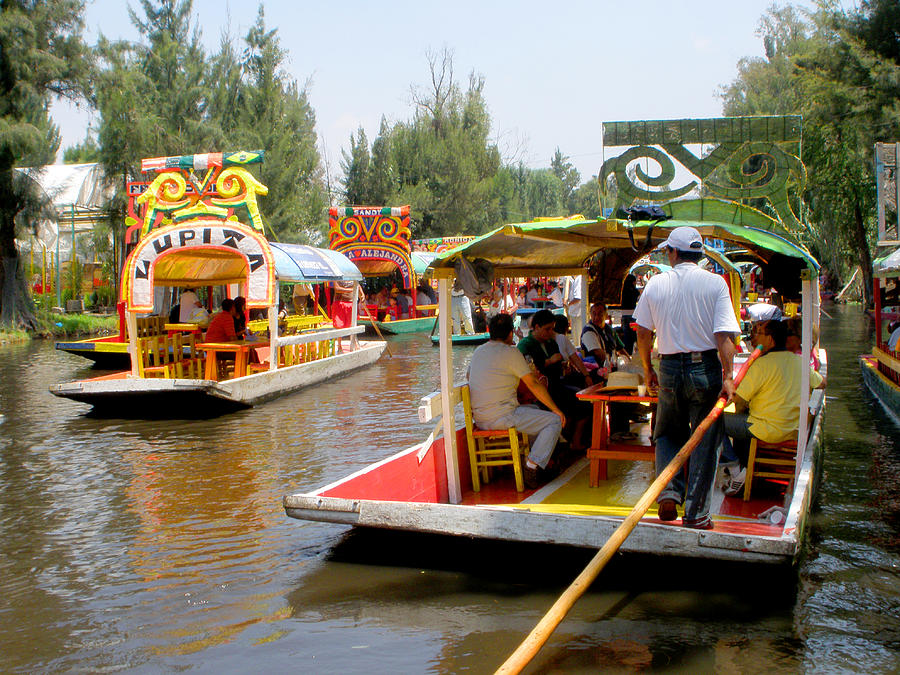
pixel 42 55
pixel 564 170
pixel 441 161
pixel 821 66
pixel 356 166
pixel 277 117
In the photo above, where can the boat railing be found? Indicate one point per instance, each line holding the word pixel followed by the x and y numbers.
pixel 311 345
pixel 888 363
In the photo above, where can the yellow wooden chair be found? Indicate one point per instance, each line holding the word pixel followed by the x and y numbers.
pixel 492 447
pixel 770 460
pixel 153 357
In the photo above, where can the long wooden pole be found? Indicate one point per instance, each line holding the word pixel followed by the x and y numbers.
pixel 541 633
pixel 387 345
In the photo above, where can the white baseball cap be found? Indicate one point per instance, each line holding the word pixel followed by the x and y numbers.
pixel 763 311
pixel 684 239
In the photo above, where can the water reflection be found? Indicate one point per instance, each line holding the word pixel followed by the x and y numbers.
pixel 149 545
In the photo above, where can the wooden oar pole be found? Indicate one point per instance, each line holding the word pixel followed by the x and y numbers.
pixel 541 633
pixel 387 345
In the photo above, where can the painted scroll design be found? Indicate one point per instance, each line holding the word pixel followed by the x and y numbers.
pixel 368 226
pixel 733 171
pixel 179 193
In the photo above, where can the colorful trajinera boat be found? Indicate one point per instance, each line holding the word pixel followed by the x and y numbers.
pixel 376 240
pixel 881 368
pixel 192 239
pixel 434 486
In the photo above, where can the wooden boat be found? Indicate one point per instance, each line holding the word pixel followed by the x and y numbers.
pixel 881 368
pixel 429 487
pixel 376 240
pixel 462 339
pixel 108 352
pixel 206 247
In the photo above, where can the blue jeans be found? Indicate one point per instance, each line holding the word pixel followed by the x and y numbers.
pixel 688 389
pixel 542 427
pixel 738 428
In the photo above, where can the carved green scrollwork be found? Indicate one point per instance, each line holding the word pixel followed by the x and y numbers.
pixel 750 158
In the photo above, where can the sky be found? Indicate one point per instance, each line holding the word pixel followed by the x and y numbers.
pixel 553 71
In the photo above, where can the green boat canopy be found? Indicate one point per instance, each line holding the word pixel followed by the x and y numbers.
pixel 611 247
pixel 548 248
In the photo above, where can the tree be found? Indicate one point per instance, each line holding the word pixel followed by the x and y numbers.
pixel 277 117
pixel 568 174
pixel 42 55
pixel 822 67
pixel 356 169
pixel 85 152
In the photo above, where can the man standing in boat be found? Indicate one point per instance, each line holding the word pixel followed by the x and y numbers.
pixel 690 309
pixel 494 373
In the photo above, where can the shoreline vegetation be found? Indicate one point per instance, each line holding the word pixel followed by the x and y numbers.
pixel 64 326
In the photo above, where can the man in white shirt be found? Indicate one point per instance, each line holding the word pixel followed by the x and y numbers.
pixel 494 373
pixel 189 302
pixel 690 309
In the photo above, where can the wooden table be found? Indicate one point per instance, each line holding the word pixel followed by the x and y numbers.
pixel 602 448
pixel 240 349
pixel 172 328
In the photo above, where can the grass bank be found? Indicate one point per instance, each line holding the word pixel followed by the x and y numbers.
pixel 77 325
pixel 65 326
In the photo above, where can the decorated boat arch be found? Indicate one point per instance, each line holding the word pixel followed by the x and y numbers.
pixel 195 239
pixel 377 240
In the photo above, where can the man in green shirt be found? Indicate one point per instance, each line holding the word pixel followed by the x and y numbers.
pixel 539 348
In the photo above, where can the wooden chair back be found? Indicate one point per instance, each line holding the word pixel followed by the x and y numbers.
pixel 492 447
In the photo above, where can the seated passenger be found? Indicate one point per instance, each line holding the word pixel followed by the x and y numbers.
pixel 598 341
pixel 894 339
pixel 494 374
pixel 577 373
pixel 187 303
pixel 540 347
pixel 199 315
pixel 767 401
pixel 240 316
pixel 221 326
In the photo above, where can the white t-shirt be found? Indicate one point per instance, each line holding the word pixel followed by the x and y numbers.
pixel 556 297
pixel 566 348
pixel 573 299
pixel 686 306
pixel 494 374
pixel 188 302
pixel 531 295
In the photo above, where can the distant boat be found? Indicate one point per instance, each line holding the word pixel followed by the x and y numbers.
pixel 177 375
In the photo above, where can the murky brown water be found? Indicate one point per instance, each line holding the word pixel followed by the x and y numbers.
pixel 155 546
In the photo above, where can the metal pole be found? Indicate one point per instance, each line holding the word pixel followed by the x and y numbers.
pixel 58 296
pixel 76 283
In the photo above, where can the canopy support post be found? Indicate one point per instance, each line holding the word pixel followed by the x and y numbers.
pixel 808 308
pixel 273 336
pixel 448 418
pixel 131 324
pixel 354 314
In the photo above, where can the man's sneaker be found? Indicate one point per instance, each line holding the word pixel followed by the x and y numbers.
pixel 704 523
pixel 735 484
pixel 531 477
pixel 668 510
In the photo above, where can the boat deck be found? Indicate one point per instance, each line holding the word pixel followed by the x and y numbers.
pixel 570 494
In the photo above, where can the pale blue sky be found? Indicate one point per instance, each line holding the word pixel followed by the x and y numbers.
pixel 554 71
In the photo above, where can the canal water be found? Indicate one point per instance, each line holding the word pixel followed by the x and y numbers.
pixel 162 545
